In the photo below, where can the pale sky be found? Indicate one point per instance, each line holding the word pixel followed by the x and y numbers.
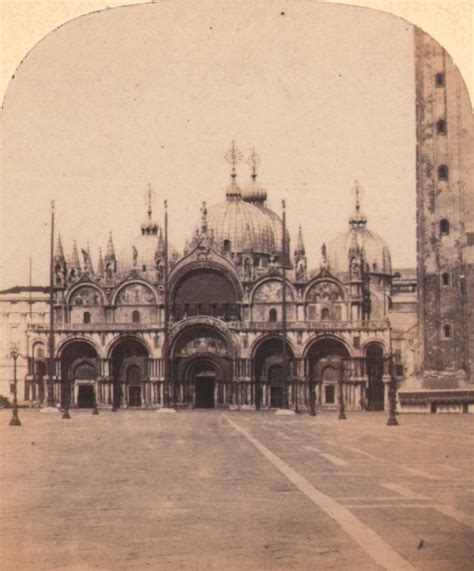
pixel 155 93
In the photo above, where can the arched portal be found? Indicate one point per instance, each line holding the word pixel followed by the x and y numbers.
pixel 129 371
pixel 271 388
pixel 202 368
pixel 205 292
pixel 376 387
pixel 79 371
pixel 326 368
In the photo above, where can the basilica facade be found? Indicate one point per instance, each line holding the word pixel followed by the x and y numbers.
pixel 236 320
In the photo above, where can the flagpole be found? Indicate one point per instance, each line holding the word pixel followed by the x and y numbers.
pixel 50 399
pixel 283 317
pixel 166 395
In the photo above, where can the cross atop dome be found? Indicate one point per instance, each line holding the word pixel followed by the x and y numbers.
pixel 149 195
pixel 253 161
pixel 357 219
pixel 233 157
pixel 149 226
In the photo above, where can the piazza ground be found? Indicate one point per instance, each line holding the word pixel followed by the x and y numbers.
pixel 211 490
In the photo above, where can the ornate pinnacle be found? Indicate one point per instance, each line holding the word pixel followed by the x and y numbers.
pixel 253 161
pixel 233 156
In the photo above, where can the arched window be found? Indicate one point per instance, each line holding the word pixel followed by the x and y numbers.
pixel 136 317
pixel 441 127
pixel 227 245
pixel 447 331
pixel 443 172
pixel 86 317
pixel 439 79
pixel 273 314
pixel 445 279
pixel 444 227
pixel 325 314
pixel 390 303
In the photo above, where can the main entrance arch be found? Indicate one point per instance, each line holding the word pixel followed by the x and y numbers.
pixel 271 388
pixel 202 368
pixel 129 372
pixel 79 372
pixel 326 358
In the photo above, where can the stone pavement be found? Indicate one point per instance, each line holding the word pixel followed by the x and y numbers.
pixel 228 490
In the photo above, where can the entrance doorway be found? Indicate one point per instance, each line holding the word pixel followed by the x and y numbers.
pixel 376 387
pixel 275 378
pixel 135 395
pixel 204 392
pixel 85 396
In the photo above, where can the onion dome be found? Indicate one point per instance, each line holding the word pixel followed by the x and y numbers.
pixel 357 240
pixel 253 193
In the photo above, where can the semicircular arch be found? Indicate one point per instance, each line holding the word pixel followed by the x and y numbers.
pixel 116 341
pixel 326 337
pixel 325 288
pixel 135 292
pixel 211 324
pixel 270 287
pixel 88 296
pixel 61 347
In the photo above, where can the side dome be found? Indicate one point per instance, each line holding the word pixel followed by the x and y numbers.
pixel 377 254
pixel 357 239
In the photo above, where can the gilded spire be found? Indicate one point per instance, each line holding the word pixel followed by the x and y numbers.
pixel 300 249
pixel 110 251
pixel 75 263
pixel 100 265
pixel 160 246
pixel 203 218
pixel 59 254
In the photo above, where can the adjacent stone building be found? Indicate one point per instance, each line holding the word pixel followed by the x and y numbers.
pixel 445 234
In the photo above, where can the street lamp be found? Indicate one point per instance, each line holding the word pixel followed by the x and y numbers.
pixel 67 397
pixel 312 396
pixel 14 354
pixel 95 410
pixel 392 395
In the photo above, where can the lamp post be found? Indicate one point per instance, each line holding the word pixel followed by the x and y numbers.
pixel 15 421
pixel 66 386
pixel 95 410
pixel 342 412
pixel 312 396
pixel 392 394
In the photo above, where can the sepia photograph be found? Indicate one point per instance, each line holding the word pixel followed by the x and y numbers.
pixel 237 286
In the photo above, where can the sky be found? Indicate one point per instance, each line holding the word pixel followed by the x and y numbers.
pixel 155 93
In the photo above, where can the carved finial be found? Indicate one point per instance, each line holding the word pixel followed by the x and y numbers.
pixel 204 218
pixel 254 162
pixel 233 156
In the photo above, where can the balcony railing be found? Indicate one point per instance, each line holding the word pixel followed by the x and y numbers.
pixel 236 325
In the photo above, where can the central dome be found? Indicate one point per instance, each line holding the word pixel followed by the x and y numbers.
pixel 237 226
